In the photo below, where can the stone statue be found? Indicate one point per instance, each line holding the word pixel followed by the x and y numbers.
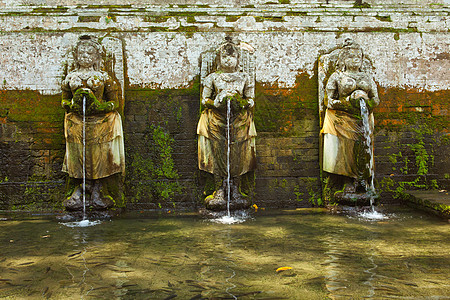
pixel 94 136
pixel 227 98
pixel 349 95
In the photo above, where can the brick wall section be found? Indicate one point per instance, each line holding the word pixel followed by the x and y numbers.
pixel 31 150
pixel 32 144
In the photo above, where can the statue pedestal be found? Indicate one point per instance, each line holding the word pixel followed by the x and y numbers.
pixel 355 199
pixel 216 204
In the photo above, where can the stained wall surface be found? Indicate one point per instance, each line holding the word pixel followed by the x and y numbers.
pixel 408 44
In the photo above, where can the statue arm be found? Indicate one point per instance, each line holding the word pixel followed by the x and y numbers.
pixel 249 92
pixel 207 93
pixel 111 95
pixel 373 95
pixel 67 96
pixel 334 99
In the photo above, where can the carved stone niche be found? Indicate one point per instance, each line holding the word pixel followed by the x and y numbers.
pixel 346 138
pixel 227 76
pixel 95 155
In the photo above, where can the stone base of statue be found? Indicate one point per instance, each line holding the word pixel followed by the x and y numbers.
pixel 344 190
pixel 218 201
pixel 356 199
pixel 100 194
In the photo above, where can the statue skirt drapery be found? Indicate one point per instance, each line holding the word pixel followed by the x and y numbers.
pixel 345 151
pixel 212 143
pixel 105 152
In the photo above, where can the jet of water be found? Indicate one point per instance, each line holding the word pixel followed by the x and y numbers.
pixel 228 155
pixel 84 157
pixel 368 142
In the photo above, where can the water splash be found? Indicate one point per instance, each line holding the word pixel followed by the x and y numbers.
pixel 236 218
pixel 82 223
pixel 372 215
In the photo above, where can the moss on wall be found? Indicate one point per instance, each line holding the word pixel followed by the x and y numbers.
pixel 416 123
pixel 31 150
pixel 281 111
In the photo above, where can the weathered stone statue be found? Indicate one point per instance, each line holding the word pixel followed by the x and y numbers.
pixel 227 150
pixel 349 95
pixel 92 127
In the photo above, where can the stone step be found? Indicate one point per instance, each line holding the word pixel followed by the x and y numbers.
pixel 435 201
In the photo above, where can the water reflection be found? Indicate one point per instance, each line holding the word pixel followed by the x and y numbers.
pixel 186 257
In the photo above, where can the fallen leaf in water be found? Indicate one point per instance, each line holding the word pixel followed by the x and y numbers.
pixel 45 290
pixel 73 254
pixel 11 241
pixel 283 269
pixel 45 236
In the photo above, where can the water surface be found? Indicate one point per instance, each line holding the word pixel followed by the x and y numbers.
pixel 166 256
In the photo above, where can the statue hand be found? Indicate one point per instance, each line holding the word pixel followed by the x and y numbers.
pixel 208 102
pixel 371 103
pixel 66 104
pixel 74 107
pixel 220 101
pixel 357 96
pixel 239 103
pixel 105 107
pixel 337 103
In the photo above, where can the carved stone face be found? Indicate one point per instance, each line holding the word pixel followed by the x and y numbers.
pixel 86 55
pixel 353 59
pixel 228 61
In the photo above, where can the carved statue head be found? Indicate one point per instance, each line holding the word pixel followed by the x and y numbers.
pixel 350 57
pixel 228 57
pixel 88 52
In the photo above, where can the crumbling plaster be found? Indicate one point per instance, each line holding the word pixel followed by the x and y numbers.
pixel 407 42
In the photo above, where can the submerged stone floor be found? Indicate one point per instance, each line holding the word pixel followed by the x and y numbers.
pixel 434 201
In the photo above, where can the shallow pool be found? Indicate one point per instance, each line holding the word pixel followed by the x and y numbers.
pixel 165 256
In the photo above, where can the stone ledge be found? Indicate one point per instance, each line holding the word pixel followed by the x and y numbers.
pixel 432 201
pixel 201 19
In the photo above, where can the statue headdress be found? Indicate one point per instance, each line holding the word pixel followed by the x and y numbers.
pixel 93 42
pixel 348 45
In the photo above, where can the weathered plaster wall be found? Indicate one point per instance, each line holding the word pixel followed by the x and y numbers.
pixel 408 44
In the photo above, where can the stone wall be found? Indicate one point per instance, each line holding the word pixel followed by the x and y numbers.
pixel 408 44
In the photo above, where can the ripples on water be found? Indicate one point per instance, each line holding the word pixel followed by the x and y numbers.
pixel 166 256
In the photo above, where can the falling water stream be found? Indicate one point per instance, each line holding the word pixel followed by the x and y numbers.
pixel 228 218
pixel 85 221
pixel 84 158
pixel 228 156
pixel 373 214
pixel 368 141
